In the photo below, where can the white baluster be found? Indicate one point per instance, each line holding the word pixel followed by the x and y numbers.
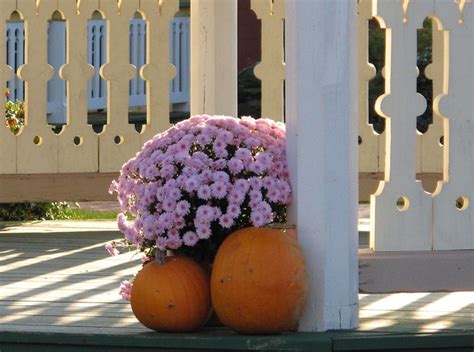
pixel 177 57
pixel 185 61
pixel 143 54
pixel 133 59
pixel 453 209
pixel 271 70
pixel 77 143
pixel 158 71
pixel 36 142
pixel 173 44
pixel 101 61
pixel 56 86
pixel 20 60
pixel 90 60
pixel 401 211
pixel 9 56
pixel 141 45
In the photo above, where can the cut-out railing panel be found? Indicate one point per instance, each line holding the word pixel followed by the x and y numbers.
pixel 404 215
pixel 77 148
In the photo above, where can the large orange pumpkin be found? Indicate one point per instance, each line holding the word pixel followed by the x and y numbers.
pixel 173 296
pixel 259 281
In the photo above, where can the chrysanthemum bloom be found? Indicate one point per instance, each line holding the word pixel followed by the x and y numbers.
pixel 194 184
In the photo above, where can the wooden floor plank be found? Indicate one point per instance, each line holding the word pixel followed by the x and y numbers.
pixel 61 283
pixel 22 312
pixel 73 329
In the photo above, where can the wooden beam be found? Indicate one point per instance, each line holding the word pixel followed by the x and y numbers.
pixel 91 186
pixel 56 187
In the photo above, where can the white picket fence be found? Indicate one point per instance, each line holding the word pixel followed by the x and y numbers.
pixel 97 57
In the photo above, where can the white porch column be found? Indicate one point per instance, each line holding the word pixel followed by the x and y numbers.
pixel 321 93
pixel 214 57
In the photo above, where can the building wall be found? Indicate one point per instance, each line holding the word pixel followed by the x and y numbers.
pixel 249 32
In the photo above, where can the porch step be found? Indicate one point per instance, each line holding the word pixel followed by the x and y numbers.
pixel 222 339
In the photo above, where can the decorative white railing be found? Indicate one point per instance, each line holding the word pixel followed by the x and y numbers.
pixel 404 215
pixel 78 149
pixel 97 57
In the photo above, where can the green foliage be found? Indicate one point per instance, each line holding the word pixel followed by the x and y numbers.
pixel 50 211
pixel 14 113
pixel 35 211
pixel 82 214
pixel 14 120
pixel 250 93
pixel 376 85
pixel 425 85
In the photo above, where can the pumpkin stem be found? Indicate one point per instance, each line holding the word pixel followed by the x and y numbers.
pixel 281 226
pixel 159 257
pixel 289 229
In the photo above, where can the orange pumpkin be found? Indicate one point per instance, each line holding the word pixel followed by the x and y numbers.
pixel 173 296
pixel 259 281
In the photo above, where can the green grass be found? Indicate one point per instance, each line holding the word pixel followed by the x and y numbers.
pixel 82 214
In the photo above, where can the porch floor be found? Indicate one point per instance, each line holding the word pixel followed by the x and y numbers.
pixel 58 287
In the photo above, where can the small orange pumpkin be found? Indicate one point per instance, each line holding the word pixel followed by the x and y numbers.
pixel 173 296
pixel 259 281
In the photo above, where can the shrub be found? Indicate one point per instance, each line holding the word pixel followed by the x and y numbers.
pixel 14 113
pixel 34 211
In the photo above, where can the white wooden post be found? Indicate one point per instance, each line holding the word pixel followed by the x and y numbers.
pixel 214 57
pixel 321 93
pixel 401 211
pixel 57 86
pixel 453 202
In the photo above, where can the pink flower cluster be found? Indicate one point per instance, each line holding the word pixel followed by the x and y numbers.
pixel 204 174
pixel 111 249
pixel 126 290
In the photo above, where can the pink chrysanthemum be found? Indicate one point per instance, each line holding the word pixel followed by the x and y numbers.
pixel 204 176
pixel 126 290
pixel 190 238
